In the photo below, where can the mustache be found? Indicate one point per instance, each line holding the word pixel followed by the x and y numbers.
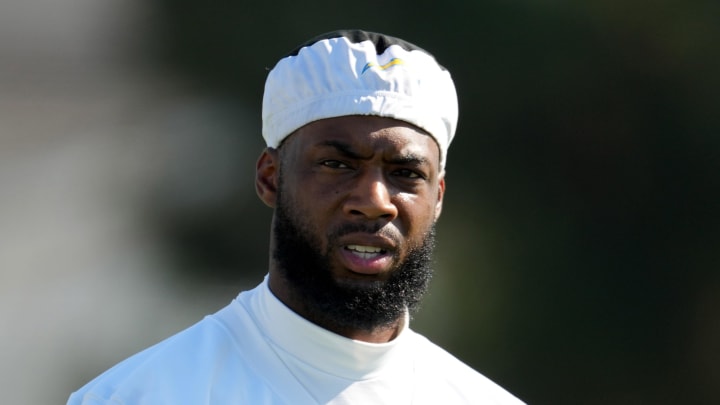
pixel 371 228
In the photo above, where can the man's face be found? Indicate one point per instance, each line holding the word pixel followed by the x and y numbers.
pixel 357 200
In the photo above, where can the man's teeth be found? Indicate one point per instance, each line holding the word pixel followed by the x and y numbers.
pixel 366 252
pixel 364 249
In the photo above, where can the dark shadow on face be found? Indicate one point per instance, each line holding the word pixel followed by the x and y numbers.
pixel 351 304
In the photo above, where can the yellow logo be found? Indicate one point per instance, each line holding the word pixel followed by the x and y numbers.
pixel 393 62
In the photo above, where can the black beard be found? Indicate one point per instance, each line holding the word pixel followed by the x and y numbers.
pixel 348 305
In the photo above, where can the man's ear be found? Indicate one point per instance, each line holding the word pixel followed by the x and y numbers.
pixel 441 193
pixel 267 171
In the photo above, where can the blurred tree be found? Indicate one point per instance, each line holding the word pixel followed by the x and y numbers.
pixel 585 167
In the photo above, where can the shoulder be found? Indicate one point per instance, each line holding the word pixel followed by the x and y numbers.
pixel 190 363
pixel 450 380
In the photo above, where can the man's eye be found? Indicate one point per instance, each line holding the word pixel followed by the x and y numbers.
pixel 335 164
pixel 410 174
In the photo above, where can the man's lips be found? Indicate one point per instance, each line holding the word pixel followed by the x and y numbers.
pixel 364 262
pixel 367 255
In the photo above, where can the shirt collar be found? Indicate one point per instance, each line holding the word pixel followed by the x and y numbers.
pixel 321 348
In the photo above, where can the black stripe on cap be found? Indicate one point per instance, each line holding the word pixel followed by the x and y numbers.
pixel 381 41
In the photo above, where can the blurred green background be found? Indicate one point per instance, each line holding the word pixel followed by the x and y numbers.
pixel 578 249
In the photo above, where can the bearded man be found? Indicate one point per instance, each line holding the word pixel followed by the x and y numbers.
pixel 357 126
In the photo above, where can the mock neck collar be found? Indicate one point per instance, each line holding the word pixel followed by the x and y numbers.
pixel 321 348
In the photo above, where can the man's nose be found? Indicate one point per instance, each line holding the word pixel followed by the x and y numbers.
pixel 371 198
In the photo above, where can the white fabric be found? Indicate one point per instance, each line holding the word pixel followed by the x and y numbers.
pixel 336 77
pixel 257 351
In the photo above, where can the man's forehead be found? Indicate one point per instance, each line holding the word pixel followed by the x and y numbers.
pixel 360 132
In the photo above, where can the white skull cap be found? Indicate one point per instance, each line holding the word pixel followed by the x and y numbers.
pixel 356 72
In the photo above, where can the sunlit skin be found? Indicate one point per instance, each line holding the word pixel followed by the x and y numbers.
pixel 366 170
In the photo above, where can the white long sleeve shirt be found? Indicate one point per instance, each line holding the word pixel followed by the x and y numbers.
pixel 257 351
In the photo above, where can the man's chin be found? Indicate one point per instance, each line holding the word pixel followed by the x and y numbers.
pixel 360 282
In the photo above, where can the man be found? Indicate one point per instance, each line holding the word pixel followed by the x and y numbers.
pixel 357 126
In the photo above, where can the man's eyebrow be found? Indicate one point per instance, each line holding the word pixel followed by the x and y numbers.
pixel 409 158
pixel 342 147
